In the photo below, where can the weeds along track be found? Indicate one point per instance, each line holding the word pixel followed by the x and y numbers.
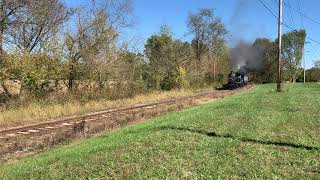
pixel 21 140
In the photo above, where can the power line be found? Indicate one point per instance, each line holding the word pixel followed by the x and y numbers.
pixel 306 36
pixel 290 16
pixel 303 55
pixel 287 26
pixel 290 12
pixel 299 7
pixel 301 13
pixel 268 9
pixel 302 23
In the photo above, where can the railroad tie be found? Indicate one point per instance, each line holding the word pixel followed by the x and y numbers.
pixel 88 120
pixel 23 133
pixel 33 131
pixel 11 135
pixel 63 125
pixel 66 124
pixel 50 127
pixel 42 129
pixel 150 107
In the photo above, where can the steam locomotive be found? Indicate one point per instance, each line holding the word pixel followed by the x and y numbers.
pixel 236 80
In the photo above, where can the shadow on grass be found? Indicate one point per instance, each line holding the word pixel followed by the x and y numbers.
pixel 243 139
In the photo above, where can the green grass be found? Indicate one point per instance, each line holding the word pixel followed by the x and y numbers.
pixel 261 134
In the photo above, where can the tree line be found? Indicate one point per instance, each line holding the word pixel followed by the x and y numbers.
pixel 263 66
pixel 57 53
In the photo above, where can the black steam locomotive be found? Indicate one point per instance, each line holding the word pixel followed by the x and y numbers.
pixel 236 80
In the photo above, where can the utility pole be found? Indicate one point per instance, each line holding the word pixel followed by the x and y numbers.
pixel 279 47
pixel 304 65
pixel 304 69
pixel 214 68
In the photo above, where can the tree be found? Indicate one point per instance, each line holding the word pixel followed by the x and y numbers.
pixel 269 64
pixel 157 50
pixel 263 66
pixel 313 74
pixel 317 64
pixel 93 41
pixel 170 60
pixel 130 73
pixel 8 13
pixel 292 50
pixel 208 34
pixel 36 23
pixel 8 9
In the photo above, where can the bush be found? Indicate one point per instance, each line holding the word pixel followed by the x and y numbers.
pixel 220 78
pixel 167 83
pixel 181 79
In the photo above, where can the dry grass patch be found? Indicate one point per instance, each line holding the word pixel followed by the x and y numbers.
pixel 38 112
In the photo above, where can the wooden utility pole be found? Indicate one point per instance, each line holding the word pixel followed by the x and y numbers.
pixel 304 64
pixel 214 68
pixel 304 70
pixel 279 79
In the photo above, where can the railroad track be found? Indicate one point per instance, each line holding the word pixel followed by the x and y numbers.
pixel 38 136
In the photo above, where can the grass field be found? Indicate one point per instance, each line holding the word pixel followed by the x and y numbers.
pixel 260 134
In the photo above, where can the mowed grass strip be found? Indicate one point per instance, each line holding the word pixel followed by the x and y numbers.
pixel 260 134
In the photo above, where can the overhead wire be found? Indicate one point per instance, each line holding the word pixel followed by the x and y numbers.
pixel 284 24
pixel 299 8
pixel 302 22
pixel 301 13
pixel 289 27
pixel 291 16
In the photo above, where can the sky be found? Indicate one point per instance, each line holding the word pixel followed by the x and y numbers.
pixel 245 19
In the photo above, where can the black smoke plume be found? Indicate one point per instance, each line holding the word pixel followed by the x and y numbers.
pixel 245 56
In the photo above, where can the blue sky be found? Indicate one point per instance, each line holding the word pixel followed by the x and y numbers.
pixel 245 19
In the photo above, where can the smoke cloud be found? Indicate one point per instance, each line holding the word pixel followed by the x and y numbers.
pixel 245 55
